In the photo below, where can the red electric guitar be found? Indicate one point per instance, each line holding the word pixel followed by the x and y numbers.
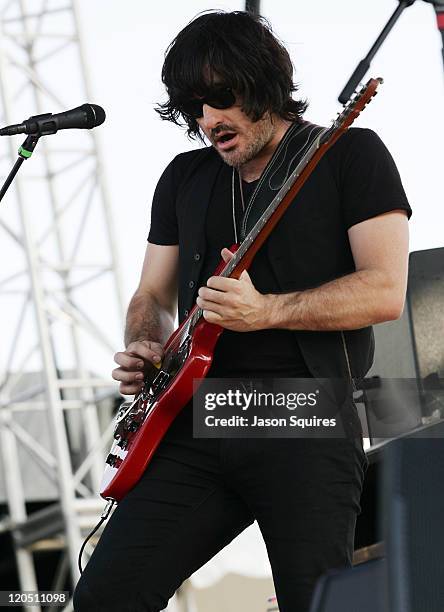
pixel 142 423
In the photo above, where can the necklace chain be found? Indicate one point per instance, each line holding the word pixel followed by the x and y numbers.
pixel 233 201
pixel 241 192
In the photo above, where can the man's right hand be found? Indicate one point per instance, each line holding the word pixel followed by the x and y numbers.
pixel 137 363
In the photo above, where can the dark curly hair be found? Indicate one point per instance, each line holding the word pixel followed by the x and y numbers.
pixel 241 50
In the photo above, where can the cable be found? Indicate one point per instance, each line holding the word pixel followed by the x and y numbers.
pixel 105 514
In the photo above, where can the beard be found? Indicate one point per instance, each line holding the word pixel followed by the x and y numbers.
pixel 258 136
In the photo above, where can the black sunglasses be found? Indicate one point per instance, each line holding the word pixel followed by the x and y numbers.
pixel 221 97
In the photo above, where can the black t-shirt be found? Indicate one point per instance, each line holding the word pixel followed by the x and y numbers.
pixel 369 184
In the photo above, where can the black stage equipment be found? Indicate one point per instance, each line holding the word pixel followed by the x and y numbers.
pixel 362 588
pixel 404 387
pixel 410 578
pixel 425 299
pixel 413 512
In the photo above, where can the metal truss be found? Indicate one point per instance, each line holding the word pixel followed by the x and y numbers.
pixel 60 294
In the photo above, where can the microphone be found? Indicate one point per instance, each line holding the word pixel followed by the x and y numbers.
pixel 86 117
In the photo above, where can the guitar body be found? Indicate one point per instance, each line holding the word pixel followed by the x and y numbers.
pixel 142 424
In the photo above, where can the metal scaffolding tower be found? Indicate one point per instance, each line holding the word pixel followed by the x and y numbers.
pixel 60 294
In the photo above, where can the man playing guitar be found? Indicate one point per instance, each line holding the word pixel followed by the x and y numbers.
pixel 334 265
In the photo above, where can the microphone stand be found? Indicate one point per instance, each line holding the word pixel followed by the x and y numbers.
pixel 364 64
pixel 24 152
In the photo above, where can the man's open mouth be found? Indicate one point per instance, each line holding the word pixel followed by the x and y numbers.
pixel 226 140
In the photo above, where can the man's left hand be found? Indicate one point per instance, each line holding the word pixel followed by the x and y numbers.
pixel 231 303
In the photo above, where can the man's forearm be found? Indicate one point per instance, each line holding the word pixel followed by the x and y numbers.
pixel 351 302
pixel 147 320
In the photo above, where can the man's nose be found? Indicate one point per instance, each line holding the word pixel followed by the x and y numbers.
pixel 211 117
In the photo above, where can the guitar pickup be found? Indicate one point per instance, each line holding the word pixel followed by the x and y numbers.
pixel 161 381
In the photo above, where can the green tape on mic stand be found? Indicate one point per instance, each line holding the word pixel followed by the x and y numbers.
pixel 24 153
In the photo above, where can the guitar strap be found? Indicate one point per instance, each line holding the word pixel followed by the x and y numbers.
pixel 295 143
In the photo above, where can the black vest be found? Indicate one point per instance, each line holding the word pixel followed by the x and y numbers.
pixel 307 221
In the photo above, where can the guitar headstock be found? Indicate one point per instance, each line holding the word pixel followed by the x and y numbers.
pixel 352 110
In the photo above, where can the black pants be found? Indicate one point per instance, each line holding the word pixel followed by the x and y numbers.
pixel 198 494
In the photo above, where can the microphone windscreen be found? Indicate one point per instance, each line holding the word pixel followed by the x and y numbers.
pixel 99 114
